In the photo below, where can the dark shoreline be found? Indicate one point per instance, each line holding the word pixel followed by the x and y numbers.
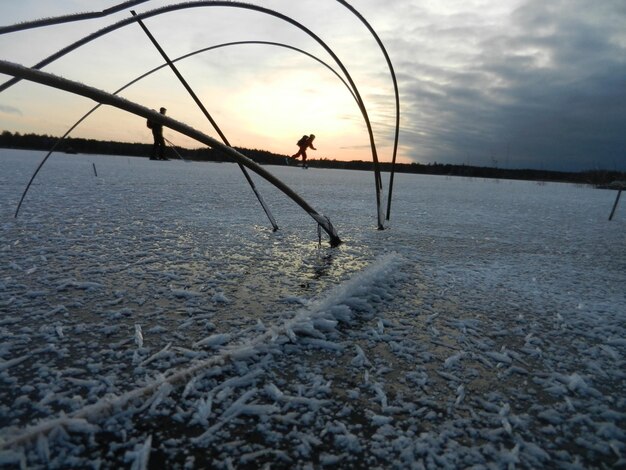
pixel 599 178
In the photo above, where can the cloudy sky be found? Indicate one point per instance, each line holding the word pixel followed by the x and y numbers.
pixel 514 84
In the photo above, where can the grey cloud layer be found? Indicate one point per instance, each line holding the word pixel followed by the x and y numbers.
pixel 545 90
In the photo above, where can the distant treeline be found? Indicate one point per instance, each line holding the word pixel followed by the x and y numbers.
pixel 91 146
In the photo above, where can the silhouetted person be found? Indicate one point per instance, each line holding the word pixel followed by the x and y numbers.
pixel 158 148
pixel 304 143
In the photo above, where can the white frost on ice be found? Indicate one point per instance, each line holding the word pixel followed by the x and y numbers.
pixel 491 337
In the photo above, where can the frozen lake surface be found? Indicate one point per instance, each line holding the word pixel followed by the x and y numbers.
pixel 151 318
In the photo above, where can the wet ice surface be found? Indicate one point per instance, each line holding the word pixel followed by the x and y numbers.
pixel 150 317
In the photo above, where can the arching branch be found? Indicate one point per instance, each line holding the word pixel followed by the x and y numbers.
pixel 69 18
pixel 396 92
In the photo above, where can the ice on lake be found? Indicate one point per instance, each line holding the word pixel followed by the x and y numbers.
pixel 150 318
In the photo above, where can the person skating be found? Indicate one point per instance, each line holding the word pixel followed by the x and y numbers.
pixel 304 143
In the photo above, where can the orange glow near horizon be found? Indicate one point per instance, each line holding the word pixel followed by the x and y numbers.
pixel 272 112
pixel 265 116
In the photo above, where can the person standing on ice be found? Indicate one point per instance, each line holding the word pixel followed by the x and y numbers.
pixel 304 143
pixel 158 148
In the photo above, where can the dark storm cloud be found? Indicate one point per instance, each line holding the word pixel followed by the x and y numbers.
pixel 546 91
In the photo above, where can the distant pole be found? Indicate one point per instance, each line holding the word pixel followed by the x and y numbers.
pixel 619 193
pixel 95 173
